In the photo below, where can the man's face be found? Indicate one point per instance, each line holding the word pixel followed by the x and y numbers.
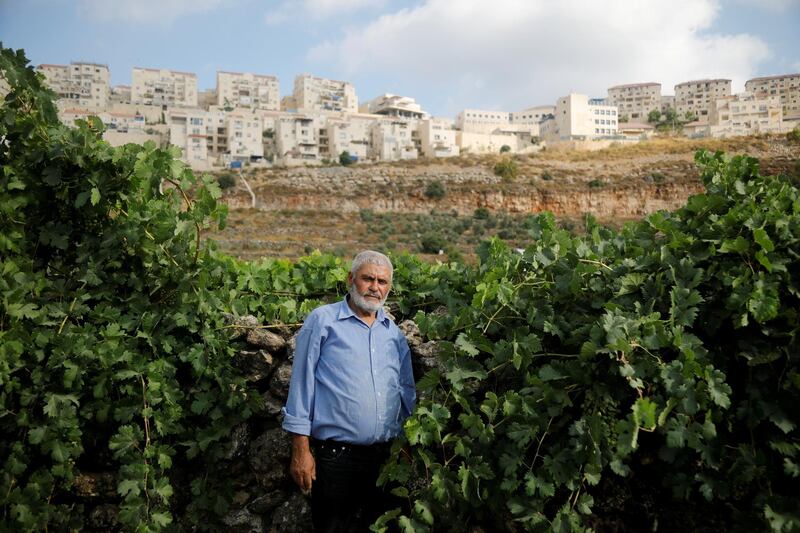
pixel 370 286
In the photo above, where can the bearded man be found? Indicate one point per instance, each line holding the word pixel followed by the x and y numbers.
pixel 351 389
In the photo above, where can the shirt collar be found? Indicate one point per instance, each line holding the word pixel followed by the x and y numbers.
pixel 345 312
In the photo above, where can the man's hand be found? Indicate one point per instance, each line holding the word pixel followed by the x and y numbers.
pixel 302 467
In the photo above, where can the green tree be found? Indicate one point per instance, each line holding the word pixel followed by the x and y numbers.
pixel 435 190
pixel 345 158
pixel 505 148
pixel 654 116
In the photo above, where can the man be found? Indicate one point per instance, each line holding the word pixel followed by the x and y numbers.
pixel 351 389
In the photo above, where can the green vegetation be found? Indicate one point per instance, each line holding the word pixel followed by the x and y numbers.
pixel 505 148
pixel 646 377
pixel 435 190
pixel 345 158
pixel 226 181
pixel 506 168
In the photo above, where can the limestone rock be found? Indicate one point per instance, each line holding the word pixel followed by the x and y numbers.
pixel 239 439
pixel 411 331
pixel 269 457
pixel 266 339
pixel 255 365
pixel 266 503
pixel 243 521
pixel 270 405
pixel 244 324
pixel 292 516
pixel 279 384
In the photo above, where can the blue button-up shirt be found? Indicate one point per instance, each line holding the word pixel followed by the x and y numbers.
pixel 350 382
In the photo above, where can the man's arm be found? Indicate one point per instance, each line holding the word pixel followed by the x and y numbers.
pixel 302 467
pixel 408 389
pixel 299 410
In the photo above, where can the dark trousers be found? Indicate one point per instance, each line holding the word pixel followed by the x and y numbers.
pixel 344 497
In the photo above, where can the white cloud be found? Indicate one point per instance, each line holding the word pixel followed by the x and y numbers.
pixel 316 9
pixel 158 12
pixel 516 53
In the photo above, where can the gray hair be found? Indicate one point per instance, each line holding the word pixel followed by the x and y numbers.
pixel 371 257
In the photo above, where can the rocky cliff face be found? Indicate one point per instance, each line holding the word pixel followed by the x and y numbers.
pixel 403 190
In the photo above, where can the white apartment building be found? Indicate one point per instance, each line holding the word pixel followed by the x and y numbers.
pixel 636 100
pixel 79 84
pixel 244 131
pixel 785 86
pixel 246 90
pixel 351 134
pixel 530 118
pixel 696 96
pixel 437 138
pixel 667 102
pixel 165 88
pixel 392 105
pixel 297 138
pixel 120 94
pixel 745 114
pixel 392 140
pixel 319 94
pixel 482 121
pixel 577 117
pixel 188 131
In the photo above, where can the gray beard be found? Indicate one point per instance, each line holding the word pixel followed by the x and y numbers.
pixel 364 304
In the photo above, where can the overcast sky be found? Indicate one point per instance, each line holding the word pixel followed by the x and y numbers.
pixel 448 54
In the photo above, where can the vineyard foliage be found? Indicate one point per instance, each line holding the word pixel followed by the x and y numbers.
pixel 661 359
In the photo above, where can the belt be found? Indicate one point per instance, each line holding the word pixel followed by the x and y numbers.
pixel 335 446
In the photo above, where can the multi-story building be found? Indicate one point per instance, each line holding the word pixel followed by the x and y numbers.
pixel 577 117
pixel 392 105
pixel 392 140
pixel 187 131
pixel 437 138
pixel 636 100
pixel 296 138
pixel 246 90
pixel 244 136
pixel 482 121
pixel 351 134
pixel 785 86
pixel 319 94
pixel 530 118
pixel 695 97
pixel 745 114
pixel 79 84
pixel 165 88
pixel 120 94
pixel 667 102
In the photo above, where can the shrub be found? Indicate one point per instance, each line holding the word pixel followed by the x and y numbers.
pixel 596 184
pixel 546 176
pixel 481 213
pixel 506 168
pixel 505 148
pixel 794 135
pixel 226 181
pixel 345 158
pixel 432 243
pixel 435 190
